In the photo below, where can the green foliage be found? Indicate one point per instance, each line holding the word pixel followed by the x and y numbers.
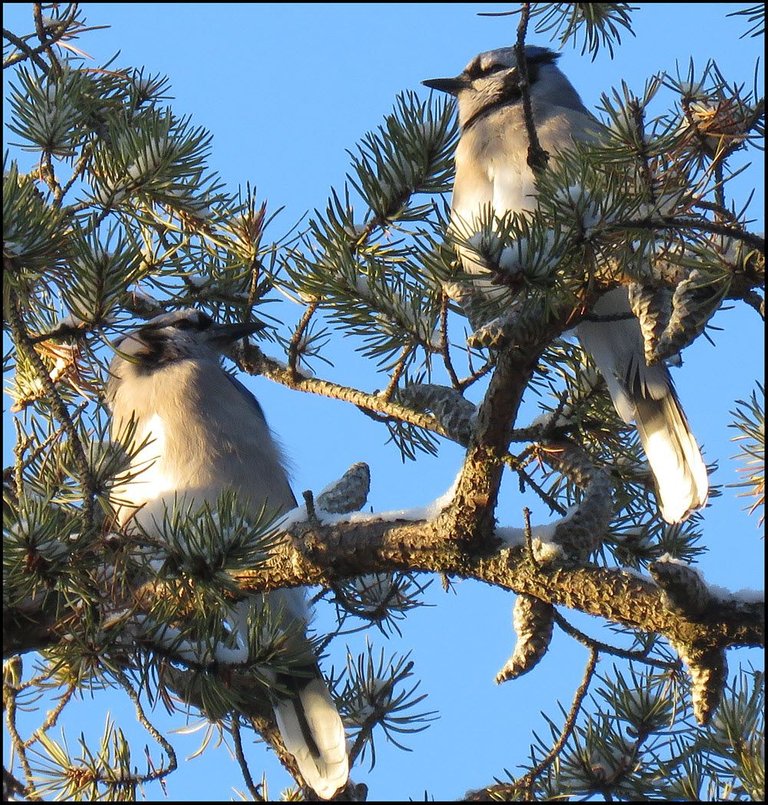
pixel 377 693
pixel 749 420
pixel 600 24
pixel 362 266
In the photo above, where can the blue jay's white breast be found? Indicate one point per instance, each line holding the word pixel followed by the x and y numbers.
pixel 492 157
pixel 154 478
pixel 162 469
pixel 491 171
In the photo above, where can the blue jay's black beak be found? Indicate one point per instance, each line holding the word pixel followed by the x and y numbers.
pixel 222 335
pixel 450 85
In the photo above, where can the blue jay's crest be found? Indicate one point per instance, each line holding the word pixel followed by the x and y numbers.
pixel 494 62
pixel 184 319
pixel 180 334
pixel 504 58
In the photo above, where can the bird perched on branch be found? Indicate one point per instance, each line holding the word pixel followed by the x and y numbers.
pixel 203 433
pixel 492 170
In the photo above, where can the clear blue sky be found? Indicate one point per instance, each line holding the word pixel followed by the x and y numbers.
pixel 285 89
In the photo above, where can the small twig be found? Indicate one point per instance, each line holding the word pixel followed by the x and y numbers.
pixel 526 782
pixel 46 41
pixel 367 727
pixel 26 52
pixel 528 531
pixel 10 706
pixel 444 343
pixel 48 175
pixel 359 743
pixel 517 464
pixel 682 223
pixel 638 118
pixel 599 318
pixel 155 774
pixel 722 212
pixel 63 332
pixel 570 723
pixel 242 762
pixel 22 443
pixel 719 184
pixel 475 376
pixel 77 171
pixel 309 502
pixel 598 645
pixel 537 156
pixel 397 373
pixel 52 717
pixel 298 335
pixel 253 361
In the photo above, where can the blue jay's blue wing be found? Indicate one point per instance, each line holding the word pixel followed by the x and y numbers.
pixel 247 395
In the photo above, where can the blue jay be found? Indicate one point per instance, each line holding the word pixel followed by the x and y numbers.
pixel 492 169
pixel 205 433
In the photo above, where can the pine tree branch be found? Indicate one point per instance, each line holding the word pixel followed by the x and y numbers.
pixel 24 344
pixel 10 706
pixel 445 343
pixel 683 223
pixel 525 783
pixel 326 554
pixel 25 52
pixel 53 715
pixel 141 717
pixel 298 337
pixel 590 642
pixel 472 512
pixel 252 360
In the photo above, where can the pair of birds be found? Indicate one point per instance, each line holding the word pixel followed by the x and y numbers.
pixel 206 433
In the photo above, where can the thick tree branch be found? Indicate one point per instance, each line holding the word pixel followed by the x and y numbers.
pixel 348 549
pixel 471 515
pixel 326 554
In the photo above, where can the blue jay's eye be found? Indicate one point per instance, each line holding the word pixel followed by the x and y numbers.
pixel 199 322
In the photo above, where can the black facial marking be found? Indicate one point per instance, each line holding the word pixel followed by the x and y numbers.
pixel 509 91
pixel 473 69
pixel 204 321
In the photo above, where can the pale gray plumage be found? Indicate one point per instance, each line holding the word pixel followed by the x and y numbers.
pixel 205 434
pixel 492 169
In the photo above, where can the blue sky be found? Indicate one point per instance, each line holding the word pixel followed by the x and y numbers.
pixel 285 89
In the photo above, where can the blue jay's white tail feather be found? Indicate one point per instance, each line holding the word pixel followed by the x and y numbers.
pixel 313 733
pixel 645 394
pixel 677 465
